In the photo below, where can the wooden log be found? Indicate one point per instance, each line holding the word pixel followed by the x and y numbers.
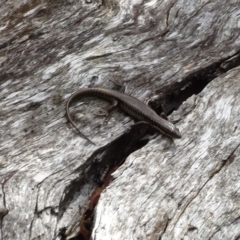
pixel 163 51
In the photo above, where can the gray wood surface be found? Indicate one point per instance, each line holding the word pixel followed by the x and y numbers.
pixel 162 51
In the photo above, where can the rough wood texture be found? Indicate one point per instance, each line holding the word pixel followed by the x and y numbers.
pixel 188 189
pixel 165 51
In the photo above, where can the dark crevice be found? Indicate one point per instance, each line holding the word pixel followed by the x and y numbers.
pixel 193 84
pixel 105 158
pixel 97 173
pixel 192 228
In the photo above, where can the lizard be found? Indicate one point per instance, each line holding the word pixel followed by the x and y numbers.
pixel 128 104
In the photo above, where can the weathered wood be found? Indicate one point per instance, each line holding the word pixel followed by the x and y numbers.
pixel 163 51
pixel 186 189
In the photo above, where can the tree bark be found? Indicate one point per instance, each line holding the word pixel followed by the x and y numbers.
pixel 180 56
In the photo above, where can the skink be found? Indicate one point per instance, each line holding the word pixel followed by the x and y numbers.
pixel 130 105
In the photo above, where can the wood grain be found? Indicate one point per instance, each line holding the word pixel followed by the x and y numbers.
pixel 163 51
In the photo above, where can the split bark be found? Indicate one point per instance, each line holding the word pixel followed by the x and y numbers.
pixel 163 51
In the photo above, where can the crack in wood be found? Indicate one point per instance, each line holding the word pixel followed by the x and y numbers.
pixel 194 83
